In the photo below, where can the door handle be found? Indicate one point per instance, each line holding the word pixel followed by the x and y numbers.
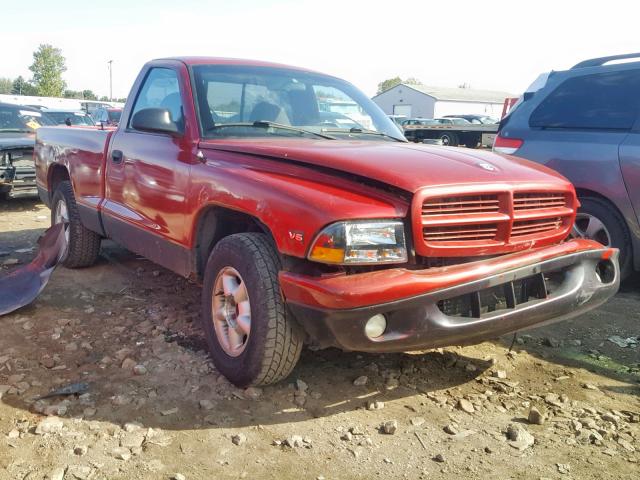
pixel 116 156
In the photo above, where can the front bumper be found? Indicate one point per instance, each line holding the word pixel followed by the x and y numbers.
pixel 17 179
pixel 458 305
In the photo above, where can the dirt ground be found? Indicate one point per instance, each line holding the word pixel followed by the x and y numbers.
pixel 155 407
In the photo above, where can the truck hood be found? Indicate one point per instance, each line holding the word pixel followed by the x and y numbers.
pixel 407 166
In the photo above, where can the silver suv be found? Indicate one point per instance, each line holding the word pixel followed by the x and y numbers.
pixel 584 122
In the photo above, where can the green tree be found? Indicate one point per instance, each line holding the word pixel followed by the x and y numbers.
pixel 89 95
pixel 392 82
pixel 72 94
pixel 6 84
pixel 389 83
pixel 22 87
pixel 48 67
pixel 412 81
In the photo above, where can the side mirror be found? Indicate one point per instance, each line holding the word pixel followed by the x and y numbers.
pixel 156 120
pixel 67 122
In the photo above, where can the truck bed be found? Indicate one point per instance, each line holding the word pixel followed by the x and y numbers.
pixel 82 152
pixel 469 135
pixel 456 128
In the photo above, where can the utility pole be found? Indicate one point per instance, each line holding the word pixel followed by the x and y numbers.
pixel 110 62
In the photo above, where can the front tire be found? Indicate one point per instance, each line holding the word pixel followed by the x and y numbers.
pixel 252 336
pixel 83 245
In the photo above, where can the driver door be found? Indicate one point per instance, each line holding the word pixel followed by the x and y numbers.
pixel 147 177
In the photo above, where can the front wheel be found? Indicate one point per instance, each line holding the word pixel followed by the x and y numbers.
pixel 252 336
pixel 598 220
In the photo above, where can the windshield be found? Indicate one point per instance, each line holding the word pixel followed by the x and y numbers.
pixel 230 94
pixel 76 118
pixel 15 118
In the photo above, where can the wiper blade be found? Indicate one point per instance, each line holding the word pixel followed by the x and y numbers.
pixel 265 124
pixel 361 131
pixel 17 130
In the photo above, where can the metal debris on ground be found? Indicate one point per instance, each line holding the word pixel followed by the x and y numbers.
pixel 23 285
pixel 624 342
pixel 72 389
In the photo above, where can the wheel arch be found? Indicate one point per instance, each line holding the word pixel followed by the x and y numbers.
pixel 215 222
pixel 57 173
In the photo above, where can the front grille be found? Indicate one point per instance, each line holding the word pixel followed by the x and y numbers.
pixel 489 222
pixel 523 228
pixel 503 297
pixel 468 233
pixel 537 200
pixel 461 205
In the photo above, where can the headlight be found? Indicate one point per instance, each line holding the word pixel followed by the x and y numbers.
pixel 360 243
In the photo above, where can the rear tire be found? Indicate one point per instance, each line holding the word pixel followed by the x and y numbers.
pixel 471 143
pixel 83 245
pixel 449 139
pixel 611 229
pixel 264 348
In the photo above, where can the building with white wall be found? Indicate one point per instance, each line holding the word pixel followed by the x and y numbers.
pixel 422 101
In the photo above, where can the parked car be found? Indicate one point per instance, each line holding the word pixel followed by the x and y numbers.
pixel 223 171
pixel 70 117
pixel 90 106
pixel 397 119
pixel 414 121
pixel 477 119
pixel 583 122
pixel 17 136
pixel 450 121
pixel 107 116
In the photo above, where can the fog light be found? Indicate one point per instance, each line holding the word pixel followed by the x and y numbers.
pixel 375 326
pixel 605 271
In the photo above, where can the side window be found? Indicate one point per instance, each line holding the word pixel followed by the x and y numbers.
pixel 602 101
pixel 161 90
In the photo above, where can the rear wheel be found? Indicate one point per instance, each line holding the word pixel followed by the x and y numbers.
pixel 83 245
pixel 252 336
pixel 449 139
pixel 598 220
pixel 471 142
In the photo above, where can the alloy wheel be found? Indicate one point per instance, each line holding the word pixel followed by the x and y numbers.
pixel 588 226
pixel 61 215
pixel 231 311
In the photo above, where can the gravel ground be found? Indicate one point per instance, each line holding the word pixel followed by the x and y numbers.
pixel 564 403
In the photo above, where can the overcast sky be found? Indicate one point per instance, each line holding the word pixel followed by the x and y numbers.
pixel 490 44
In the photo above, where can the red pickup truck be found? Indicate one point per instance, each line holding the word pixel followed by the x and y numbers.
pixel 302 229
